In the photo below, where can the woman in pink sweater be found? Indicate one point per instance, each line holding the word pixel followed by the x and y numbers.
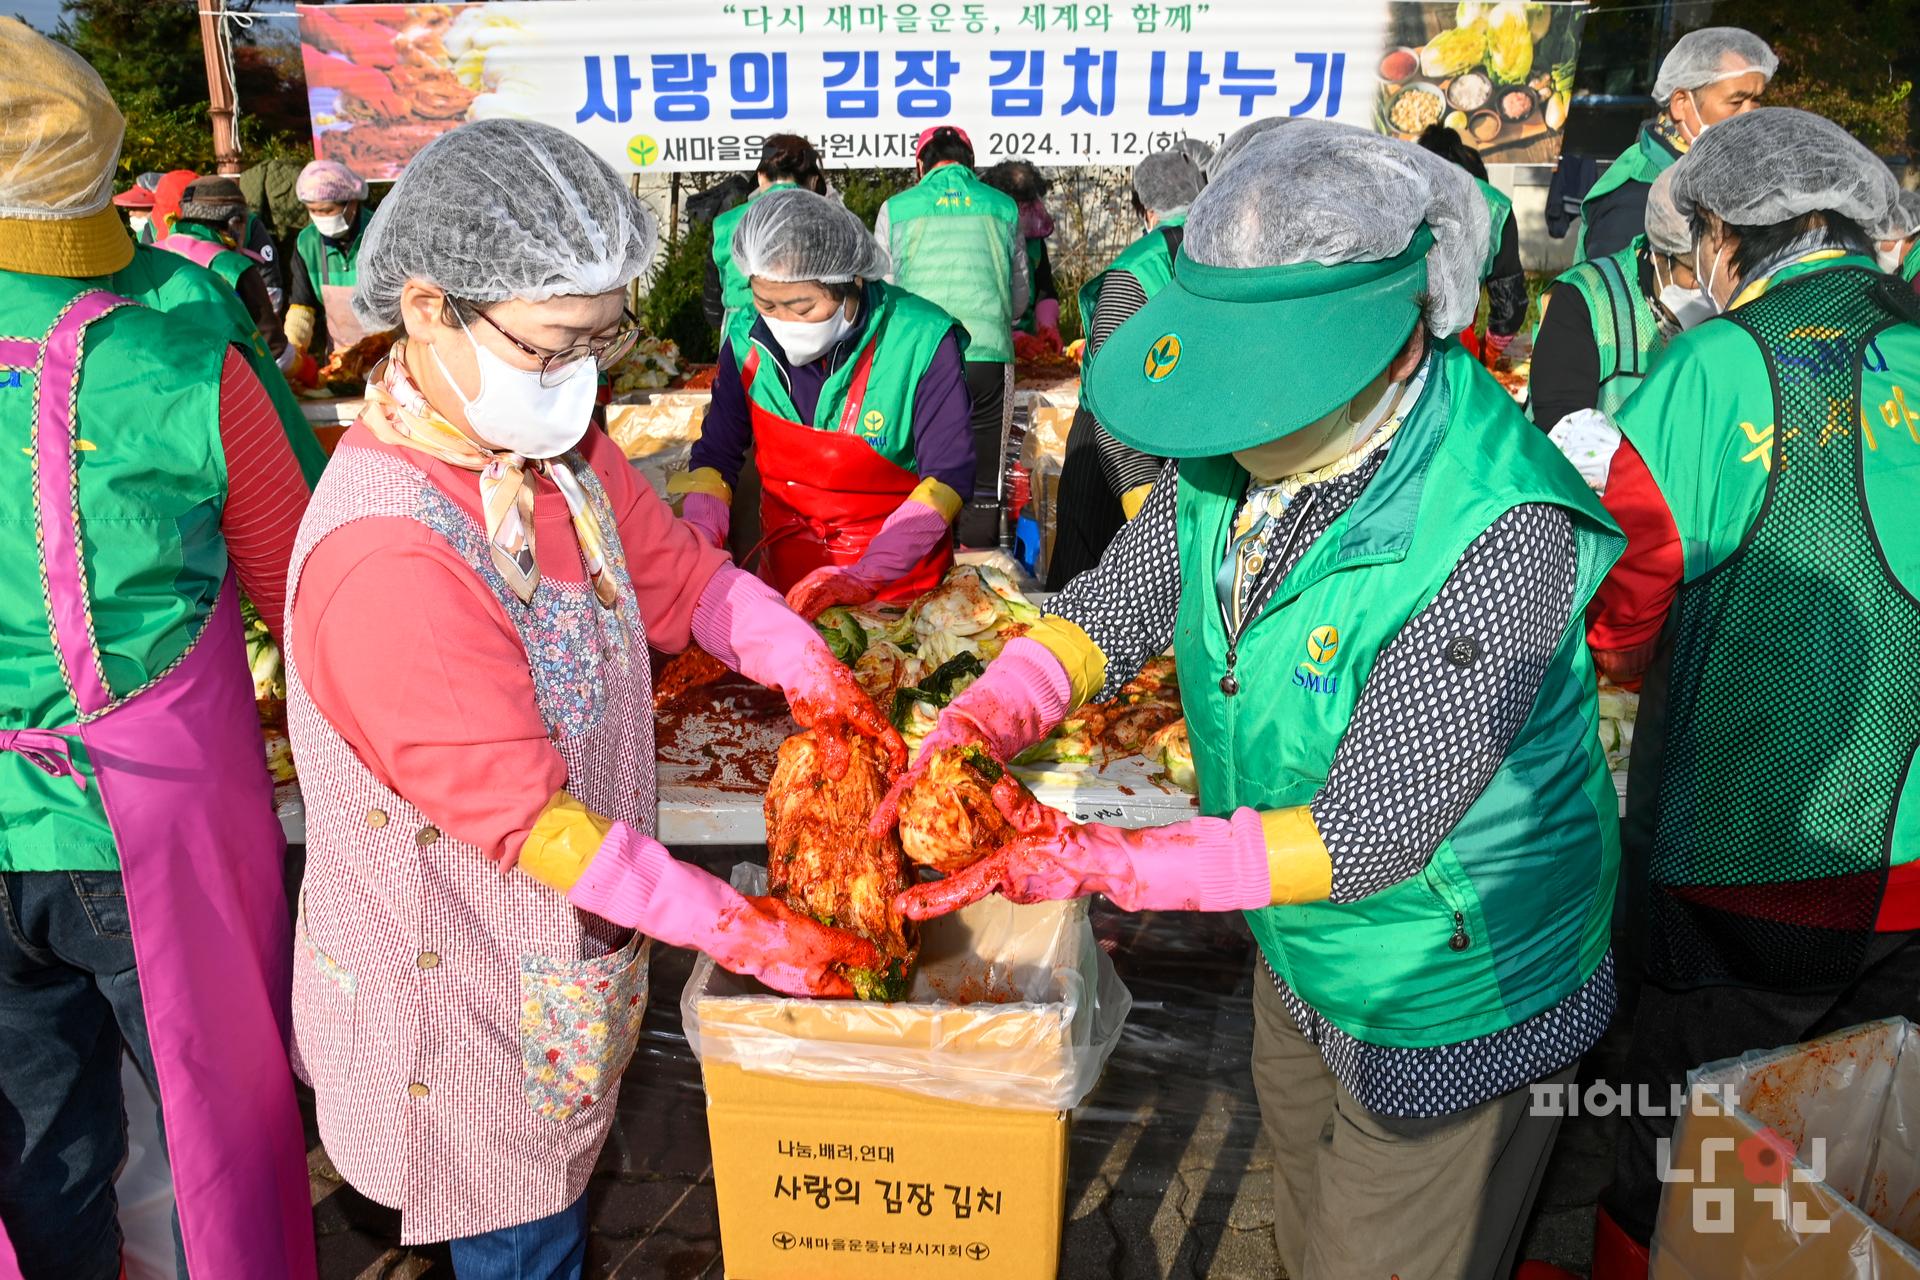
pixel 472 597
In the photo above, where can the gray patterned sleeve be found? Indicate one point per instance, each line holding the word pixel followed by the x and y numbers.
pixel 1444 701
pixel 1128 602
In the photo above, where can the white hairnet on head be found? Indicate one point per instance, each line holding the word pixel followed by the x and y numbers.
pixel 1168 180
pixel 1710 55
pixel 1903 220
pixel 1667 229
pixel 1237 141
pixel 1331 193
pixel 1773 164
pixel 797 235
pixel 502 209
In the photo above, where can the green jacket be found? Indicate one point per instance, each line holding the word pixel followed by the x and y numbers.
pixel 1648 160
pixel 151 482
pixel 952 240
pixel 1511 913
pixel 908 329
pixel 184 290
pixel 1149 260
pixel 1625 332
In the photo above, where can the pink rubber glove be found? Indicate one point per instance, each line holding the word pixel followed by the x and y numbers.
pixel 1046 321
pixel 1202 864
pixel 1497 342
pixel 904 538
pixel 1017 701
pixel 743 622
pixel 709 515
pixel 634 882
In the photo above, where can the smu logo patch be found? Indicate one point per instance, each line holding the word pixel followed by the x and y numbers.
pixel 1315 674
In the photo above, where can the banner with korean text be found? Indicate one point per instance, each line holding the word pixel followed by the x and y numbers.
pixel 677 85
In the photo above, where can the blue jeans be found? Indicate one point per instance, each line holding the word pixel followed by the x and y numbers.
pixel 68 997
pixel 552 1248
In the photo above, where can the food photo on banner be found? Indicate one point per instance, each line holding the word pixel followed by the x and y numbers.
pixel 1065 84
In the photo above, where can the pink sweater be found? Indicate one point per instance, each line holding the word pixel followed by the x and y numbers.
pixel 414 662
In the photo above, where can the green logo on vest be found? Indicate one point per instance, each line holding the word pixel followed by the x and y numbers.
pixel 1162 356
pixel 873 424
pixel 642 149
pixel 1322 647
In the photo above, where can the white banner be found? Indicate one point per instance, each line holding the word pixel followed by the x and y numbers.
pixel 696 85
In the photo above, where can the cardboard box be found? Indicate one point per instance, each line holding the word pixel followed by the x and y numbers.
pixel 926 1138
pixel 1845 1204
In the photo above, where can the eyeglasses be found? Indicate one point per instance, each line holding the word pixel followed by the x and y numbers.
pixel 554 365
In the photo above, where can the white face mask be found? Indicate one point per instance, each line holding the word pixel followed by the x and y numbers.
pixel 139 225
pixel 1687 306
pixel 1889 259
pixel 331 225
pixel 1321 441
pixel 1706 285
pixel 805 341
pixel 515 414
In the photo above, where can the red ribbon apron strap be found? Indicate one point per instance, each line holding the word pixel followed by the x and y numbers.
pixel 825 494
pixel 183 777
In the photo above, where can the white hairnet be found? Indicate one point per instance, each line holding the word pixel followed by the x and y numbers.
pixel 1331 193
pixel 1169 180
pixel 1237 141
pixel 1773 164
pixel 1903 220
pixel 59 129
pixel 1668 231
pixel 1710 55
pixel 502 209
pixel 797 235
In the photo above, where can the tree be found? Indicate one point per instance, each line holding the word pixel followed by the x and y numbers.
pixel 142 48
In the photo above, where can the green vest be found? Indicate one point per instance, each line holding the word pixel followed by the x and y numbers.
pixel 1807 779
pixel 735 288
pixel 1511 914
pixel 1625 332
pixel 327 263
pixel 908 330
pixel 1499 209
pixel 152 480
pixel 1036 253
pixel 1910 265
pixel 168 282
pixel 228 264
pixel 951 238
pixel 1149 260
pixel 1647 161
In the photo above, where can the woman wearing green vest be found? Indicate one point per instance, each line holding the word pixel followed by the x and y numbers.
pixel 1767 483
pixel 1709 75
pixel 1040 322
pixel 1372 570
pixel 851 394
pixel 787 160
pixel 326 258
pixel 213 215
pixel 141 864
pixel 956 242
pixel 1502 275
pixel 1104 483
pixel 1603 323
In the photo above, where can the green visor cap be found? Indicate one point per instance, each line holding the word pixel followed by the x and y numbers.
pixel 1226 358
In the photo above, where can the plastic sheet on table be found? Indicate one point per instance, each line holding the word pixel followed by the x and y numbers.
pixel 1011 1006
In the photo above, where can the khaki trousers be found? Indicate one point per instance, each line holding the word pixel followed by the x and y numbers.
pixel 1363 1196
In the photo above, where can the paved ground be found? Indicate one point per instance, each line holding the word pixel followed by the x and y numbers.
pixel 1168 1177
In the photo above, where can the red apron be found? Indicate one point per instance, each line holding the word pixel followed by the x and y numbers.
pixel 824 494
pixel 184 780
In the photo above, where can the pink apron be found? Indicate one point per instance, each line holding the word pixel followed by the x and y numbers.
pixel 343 326
pixel 184 781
